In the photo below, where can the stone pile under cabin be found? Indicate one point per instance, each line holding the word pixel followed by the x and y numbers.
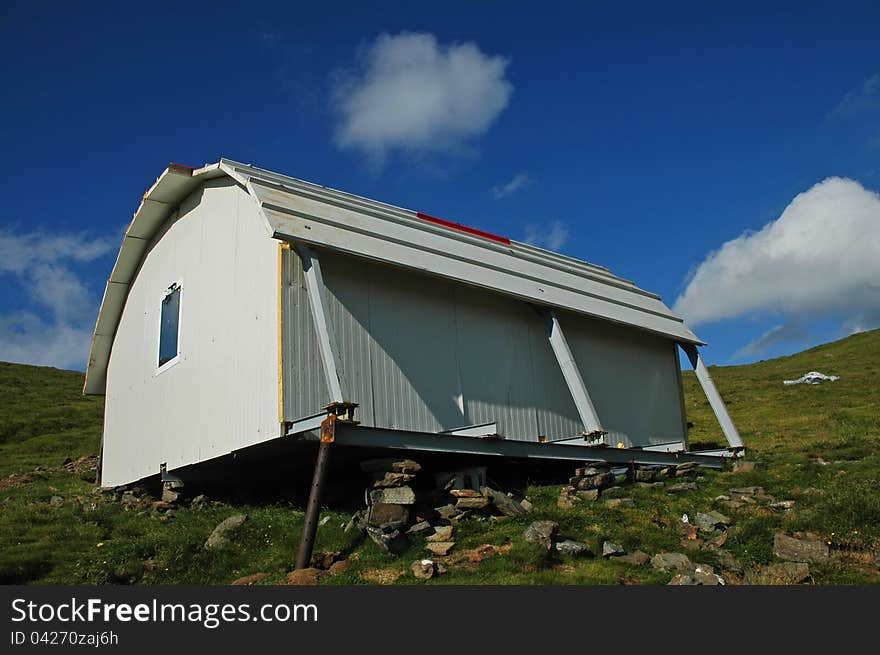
pixel 248 308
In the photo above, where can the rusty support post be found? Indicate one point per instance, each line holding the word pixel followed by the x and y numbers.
pixel 313 508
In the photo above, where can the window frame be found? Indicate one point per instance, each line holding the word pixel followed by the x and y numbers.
pixel 171 288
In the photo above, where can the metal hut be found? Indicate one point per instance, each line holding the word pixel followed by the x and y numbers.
pixel 247 307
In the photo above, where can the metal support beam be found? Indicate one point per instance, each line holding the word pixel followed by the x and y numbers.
pixel 323 327
pixel 481 430
pixel 348 434
pixel 712 395
pixel 313 508
pixel 572 375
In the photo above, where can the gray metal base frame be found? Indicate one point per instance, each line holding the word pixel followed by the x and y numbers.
pixel 355 435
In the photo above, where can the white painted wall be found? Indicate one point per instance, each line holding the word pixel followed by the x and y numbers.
pixel 223 393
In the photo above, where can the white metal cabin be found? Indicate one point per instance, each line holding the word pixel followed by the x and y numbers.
pixel 242 302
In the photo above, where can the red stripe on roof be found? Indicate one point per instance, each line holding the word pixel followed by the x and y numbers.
pixel 463 228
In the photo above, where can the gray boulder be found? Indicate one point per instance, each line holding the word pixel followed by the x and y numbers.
pixel 222 534
pixel 542 533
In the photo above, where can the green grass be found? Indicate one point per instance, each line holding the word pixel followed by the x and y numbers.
pixel 821 445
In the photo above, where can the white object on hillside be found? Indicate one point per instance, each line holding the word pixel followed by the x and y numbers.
pixel 813 377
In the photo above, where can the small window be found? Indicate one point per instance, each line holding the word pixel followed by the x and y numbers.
pixel 169 329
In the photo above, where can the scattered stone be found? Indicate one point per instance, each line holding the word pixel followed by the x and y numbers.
pixel 423 569
pixel 503 503
pixel 610 549
pixel 388 515
pixel 390 464
pixel 220 537
pixel 747 491
pixel 465 493
pixel 616 503
pixel 650 485
pixel 526 505
pixel 681 579
pixel 305 577
pixel 601 481
pixel 199 500
pixel 686 469
pixel 169 495
pixel 542 533
pixel 784 573
pixel 704 575
pixel 56 502
pixel 486 551
pixel 339 567
pixel 393 496
pixel 637 558
pixel 446 512
pixel 381 576
pixel 728 562
pixel 479 502
pixel 589 471
pixel 567 500
pixel 441 533
pixel 248 580
pixel 392 479
pixel 573 548
pixel 419 527
pixel 672 562
pixel 782 505
pixel 394 542
pixel 645 475
pixel 741 466
pixel 440 548
pixel 614 492
pixel 162 506
pixel 683 487
pixel 588 495
pixel 803 548
pixel 709 521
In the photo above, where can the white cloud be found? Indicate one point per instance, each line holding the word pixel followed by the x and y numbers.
pixel 519 181
pixel 58 330
pixel 415 94
pixel 819 259
pixel 865 97
pixel 552 236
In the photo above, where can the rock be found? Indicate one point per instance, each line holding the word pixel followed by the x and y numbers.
pixel 387 515
pixel 423 569
pixel 419 527
pixel 339 567
pixel 526 505
pixel 248 580
pixel 686 469
pixel 566 500
pixel 747 491
pixel 683 487
pixel 804 548
pixel 393 496
pixel 472 503
pixel 588 495
pixel 446 512
pixel 392 479
pixel 465 493
pixel 441 533
pixel 782 505
pixel 394 542
pixel 573 548
pixel 440 548
pixel 305 577
pixel 601 481
pixel 610 549
pixel 741 466
pixel 486 551
pixel 645 475
pixel 682 579
pixel 637 558
pixel 220 537
pixel 56 502
pixel 616 503
pixel 503 503
pixel 169 495
pixel 877 561
pixel 709 521
pixel 704 575
pixel 390 464
pixel 672 562
pixel 199 500
pixel 784 573
pixel 614 492
pixel 542 533
pixel 162 505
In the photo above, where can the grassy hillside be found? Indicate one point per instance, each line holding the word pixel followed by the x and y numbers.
pixel 821 445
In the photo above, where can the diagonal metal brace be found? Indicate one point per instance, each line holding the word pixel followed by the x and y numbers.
pixel 712 395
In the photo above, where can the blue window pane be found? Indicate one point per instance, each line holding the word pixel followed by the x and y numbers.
pixel 169 324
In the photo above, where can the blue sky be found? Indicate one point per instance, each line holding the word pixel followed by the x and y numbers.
pixel 640 137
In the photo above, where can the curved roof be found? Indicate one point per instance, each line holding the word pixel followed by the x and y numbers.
pixel 298 210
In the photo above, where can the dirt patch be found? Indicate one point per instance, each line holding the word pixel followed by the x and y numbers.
pixel 381 576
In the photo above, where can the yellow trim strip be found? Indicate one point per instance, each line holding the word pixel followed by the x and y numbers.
pixel 281 248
